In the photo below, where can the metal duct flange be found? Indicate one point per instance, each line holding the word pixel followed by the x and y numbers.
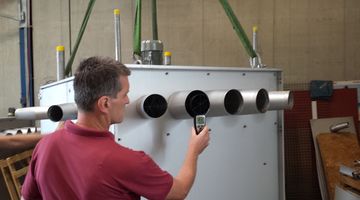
pixel 187 104
pixel 224 102
pixel 279 100
pixel 152 106
pixel 31 113
pixel 62 112
pixel 255 101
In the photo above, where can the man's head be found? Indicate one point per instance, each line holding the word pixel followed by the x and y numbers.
pixel 101 83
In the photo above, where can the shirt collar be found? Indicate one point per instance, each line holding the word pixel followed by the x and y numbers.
pixel 78 130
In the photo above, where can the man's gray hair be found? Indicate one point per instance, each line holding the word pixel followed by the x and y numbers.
pixel 96 77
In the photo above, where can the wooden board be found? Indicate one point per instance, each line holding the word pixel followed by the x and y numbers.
pixel 336 150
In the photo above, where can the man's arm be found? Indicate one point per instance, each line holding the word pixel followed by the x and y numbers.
pixel 183 182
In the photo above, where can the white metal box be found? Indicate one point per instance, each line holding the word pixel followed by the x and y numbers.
pixel 245 157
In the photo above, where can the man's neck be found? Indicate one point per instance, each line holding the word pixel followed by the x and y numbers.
pixel 93 121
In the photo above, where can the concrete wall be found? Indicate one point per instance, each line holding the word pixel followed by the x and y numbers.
pixel 307 39
pixel 9 57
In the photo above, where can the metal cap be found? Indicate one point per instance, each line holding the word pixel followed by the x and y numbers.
pixel 151 45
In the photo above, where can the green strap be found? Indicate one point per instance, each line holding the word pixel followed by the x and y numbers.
pixel 79 37
pixel 137 29
pixel 238 29
pixel 154 20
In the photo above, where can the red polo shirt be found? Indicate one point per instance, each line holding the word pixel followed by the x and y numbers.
pixel 79 163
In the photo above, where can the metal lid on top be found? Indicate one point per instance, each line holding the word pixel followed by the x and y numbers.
pixel 151 45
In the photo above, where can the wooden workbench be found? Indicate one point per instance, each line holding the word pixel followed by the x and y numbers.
pixel 338 149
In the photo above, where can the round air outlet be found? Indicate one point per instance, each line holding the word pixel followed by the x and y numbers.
pixel 55 113
pixel 155 105
pixel 232 102
pixel 197 103
pixel 262 100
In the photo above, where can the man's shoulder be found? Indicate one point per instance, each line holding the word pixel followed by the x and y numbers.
pixel 51 136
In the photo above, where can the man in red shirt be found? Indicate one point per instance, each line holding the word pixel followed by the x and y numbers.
pixel 83 161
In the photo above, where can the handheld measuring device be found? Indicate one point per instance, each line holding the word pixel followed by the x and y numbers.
pixel 199 123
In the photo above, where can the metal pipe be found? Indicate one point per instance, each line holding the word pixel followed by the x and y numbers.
pixel 117 35
pixel 60 63
pixel 224 102
pixel 154 20
pixel 338 127
pixel 186 104
pixel 62 112
pixel 254 38
pixel 23 99
pixel 255 101
pixel 31 113
pixel 151 106
pixel 279 100
pixel 30 54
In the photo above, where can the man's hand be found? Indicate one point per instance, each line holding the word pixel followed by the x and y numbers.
pixel 199 142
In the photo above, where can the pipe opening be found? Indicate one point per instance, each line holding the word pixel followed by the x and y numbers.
pixel 155 105
pixel 55 113
pixel 262 101
pixel 232 101
pixel 197 103
pixel 290 100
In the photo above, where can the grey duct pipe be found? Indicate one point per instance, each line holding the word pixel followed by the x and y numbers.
pixel 151 106
pixel 62 112
pixel 224 102
pixel 117 35
pixel 31 113
pixel 186 104
pixel 279 100
pixel 338 127
pixel 255 101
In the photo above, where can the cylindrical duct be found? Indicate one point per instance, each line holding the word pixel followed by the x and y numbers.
pixel 279 100
pixel 151 106
pixel 340 126
pixel 60 63
pixel 31 113
pixel 224 102
pixel 152 52
pixel 255 101
pixel 187 104
pixel 117 35
pixel 62 112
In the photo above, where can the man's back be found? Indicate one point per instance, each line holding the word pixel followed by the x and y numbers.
pixel 78 163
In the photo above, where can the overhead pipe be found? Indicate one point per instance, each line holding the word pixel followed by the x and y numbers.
pixel 255 101
pixel 117 35
pixel 31 113
pixel 62 112
pixel 279 100
pixel 224 102
pixel 151 106
pixel 186 104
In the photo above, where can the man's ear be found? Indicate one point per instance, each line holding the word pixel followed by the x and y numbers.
pixel 103 104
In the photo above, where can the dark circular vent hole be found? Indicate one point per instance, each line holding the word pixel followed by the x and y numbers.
pixel 262 100
pixel 155 105
pixel 197 103
pixel 55 113
pixel 233 100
